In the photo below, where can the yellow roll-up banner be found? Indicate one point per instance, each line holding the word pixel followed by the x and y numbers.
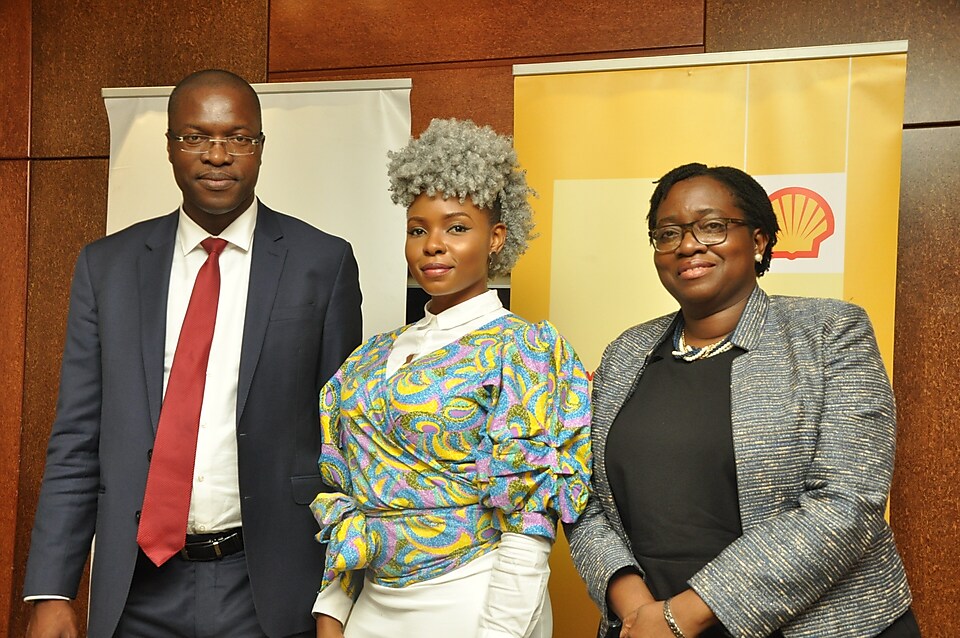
pixel 819 128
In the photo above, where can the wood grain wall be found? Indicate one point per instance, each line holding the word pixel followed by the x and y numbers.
pixel 13 265
pixel 925 502
pixel 14 179
pixel 54 144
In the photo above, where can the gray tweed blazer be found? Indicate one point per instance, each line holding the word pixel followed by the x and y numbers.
pixel 814 430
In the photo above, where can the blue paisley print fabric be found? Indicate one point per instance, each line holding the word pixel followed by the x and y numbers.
pixel 489 434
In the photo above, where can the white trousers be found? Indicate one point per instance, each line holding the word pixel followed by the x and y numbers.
pixel 446 606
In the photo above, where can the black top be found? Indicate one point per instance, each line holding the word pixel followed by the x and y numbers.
pixel 672 470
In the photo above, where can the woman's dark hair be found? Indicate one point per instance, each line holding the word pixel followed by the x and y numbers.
pixel 748 195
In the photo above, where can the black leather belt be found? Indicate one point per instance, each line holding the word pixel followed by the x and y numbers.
pixel 212 546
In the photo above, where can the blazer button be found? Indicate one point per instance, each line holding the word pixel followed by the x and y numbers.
pixel 137 516
pixel 150 454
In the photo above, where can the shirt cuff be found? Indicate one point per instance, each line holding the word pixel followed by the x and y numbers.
pixel 518 585
pixel 333 602
pixel 39 597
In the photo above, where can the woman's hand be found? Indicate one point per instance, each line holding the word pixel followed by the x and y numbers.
pixel 647 621
pixel 689 611
pixel 328 627
pixel 626 593
pixel 53 619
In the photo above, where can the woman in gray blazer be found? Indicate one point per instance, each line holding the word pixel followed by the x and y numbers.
pixel 743 446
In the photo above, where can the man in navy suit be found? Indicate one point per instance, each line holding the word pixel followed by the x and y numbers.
pixel 288 314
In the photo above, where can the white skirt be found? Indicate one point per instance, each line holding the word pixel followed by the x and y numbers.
pixel 448 605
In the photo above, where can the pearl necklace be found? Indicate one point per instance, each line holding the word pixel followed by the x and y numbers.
pixel 681 350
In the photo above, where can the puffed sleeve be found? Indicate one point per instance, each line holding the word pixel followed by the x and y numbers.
pixel 333 463
pixel 534 463
pixel 342 526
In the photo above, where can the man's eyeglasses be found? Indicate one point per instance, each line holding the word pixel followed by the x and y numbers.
pixel 711 231
pixel 234 145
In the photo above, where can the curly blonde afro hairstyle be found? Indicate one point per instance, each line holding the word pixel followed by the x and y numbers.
pixel 457 158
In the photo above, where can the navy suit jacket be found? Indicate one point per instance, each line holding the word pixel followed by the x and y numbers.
pixel 302 320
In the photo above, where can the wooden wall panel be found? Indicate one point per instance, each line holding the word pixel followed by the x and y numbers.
pixel 68 203
pixel 925 500
pixel 931 26
pixel 15 61
pixel 454 93
pixel 15 88
pixel 13 295
pixel 317 35
pixel 81 47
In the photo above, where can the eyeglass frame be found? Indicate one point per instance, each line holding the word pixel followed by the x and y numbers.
pixel 256 141
pixel 690 226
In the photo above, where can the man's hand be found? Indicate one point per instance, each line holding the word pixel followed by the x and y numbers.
pixel 53 619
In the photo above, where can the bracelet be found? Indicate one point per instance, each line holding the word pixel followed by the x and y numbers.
pixel 671 621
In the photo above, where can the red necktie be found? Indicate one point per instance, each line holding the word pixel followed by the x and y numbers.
pixel 166 502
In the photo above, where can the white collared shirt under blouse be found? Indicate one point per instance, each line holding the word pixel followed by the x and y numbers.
pixel 215 501
pixel 436 331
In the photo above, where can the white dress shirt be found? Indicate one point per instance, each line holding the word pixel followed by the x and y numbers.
pixel 516 586
pixel 215 501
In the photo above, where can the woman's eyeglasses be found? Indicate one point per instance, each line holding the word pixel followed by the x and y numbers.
pixel 711 231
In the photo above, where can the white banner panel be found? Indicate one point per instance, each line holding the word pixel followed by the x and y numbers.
pixel 324 161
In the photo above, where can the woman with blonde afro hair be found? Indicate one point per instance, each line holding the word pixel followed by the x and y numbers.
pixel 457 444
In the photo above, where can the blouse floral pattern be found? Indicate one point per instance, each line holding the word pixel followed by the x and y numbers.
pixel 430 465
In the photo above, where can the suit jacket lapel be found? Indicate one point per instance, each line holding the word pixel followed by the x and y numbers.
pixel 154 279
pixel 761 388
pixel 265 269
pixel 623 364
pixel 621 373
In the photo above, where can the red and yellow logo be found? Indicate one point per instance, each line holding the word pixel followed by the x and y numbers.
pixel 805 218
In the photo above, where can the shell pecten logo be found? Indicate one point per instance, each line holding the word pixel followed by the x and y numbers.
pixel 805 218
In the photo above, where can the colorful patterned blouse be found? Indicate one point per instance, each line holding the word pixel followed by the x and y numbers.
pixel 486 435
